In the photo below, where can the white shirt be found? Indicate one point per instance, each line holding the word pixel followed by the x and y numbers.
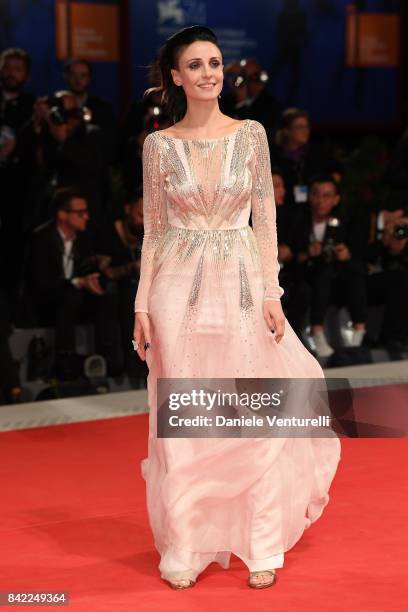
pixel 67 258
pixel 319 230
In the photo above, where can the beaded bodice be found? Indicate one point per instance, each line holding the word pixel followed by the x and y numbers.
pixel 201 191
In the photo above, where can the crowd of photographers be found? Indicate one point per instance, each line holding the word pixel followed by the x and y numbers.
pixel 68 254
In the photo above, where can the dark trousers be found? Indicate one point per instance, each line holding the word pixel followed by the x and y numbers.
pixel 339 282
pixel 72 306
pixel 296 300
pixel 8 368
pixel 127 292
pixel 11 227
pixel 390 288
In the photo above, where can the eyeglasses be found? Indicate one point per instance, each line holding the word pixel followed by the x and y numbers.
pixel 81 212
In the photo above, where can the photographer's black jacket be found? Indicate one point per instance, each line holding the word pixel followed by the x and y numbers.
pixel 353 230
pixel 82 160
pixel 378 254
pixel 15 112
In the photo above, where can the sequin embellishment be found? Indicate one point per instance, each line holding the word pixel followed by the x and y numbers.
pixel 193 191
pixel 245 298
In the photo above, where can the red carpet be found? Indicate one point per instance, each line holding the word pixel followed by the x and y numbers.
pixel 73 519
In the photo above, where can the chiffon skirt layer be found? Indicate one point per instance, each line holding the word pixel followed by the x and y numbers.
pixel 210 497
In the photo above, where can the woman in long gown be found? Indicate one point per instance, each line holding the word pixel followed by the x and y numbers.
pixel 208 306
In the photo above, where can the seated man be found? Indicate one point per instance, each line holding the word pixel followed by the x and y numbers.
pixel 64 280
pixel 327 253
pixel 123 242
pixel 296 302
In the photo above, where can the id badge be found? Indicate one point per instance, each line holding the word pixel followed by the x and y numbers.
pixel 300 192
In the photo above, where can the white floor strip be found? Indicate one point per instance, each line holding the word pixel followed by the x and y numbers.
pixel 125 403
pixel 73 410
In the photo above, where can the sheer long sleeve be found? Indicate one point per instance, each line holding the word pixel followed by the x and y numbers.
pixel 264 211
pixel 154 217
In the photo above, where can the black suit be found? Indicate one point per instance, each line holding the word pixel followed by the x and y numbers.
pixel 314 159
pixel 331 280
pixel 104 117
pixel 387 285
pixel 264 108
pixel 45 261
pixel 9 377
pixel 14 113
pixel 56 298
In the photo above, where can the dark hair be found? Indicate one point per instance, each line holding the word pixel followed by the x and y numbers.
pixel 74 61
pixel 16 53
pixel 63 197
pixel 135 195
pixel 173 97
pixel 277 170
pixel 324 178
pixel 287 118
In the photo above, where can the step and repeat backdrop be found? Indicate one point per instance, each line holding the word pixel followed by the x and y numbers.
pixel 337 59
pixel 53 30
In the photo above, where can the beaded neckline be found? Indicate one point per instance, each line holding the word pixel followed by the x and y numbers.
pixel 207 139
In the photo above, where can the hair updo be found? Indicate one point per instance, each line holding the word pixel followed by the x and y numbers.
pixel 173 97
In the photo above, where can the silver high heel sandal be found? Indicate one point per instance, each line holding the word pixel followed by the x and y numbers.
pixel 181 583
pixel 262 585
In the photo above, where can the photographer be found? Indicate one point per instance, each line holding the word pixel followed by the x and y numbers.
pixel 327 250
pixel 65 282
pixel 141 112
pixel 16 107
pixel 131 166
pixel 256 102
pixel 299 156
pixel 296 299
pixel 387 279
pixel 125 245
pixel 78 79
pixel 61 147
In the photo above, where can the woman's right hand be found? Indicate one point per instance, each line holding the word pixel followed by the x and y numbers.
pixel 141 333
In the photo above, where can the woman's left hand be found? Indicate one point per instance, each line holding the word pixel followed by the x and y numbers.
pixel 274 317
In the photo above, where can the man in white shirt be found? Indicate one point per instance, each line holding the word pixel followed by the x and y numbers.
pixel 326 262
pixel 65 279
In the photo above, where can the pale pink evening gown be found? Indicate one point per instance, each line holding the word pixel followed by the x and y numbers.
pixel 204 275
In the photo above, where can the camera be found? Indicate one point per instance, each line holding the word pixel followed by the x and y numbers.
pixel 400 231
pixel 331 238
pixel 242 78
pixel 59 115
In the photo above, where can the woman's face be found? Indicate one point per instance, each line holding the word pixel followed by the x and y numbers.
pixel 279 189
pixel 200 71
pixel 299 131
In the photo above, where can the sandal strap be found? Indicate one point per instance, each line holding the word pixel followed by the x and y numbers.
pixel 263 572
